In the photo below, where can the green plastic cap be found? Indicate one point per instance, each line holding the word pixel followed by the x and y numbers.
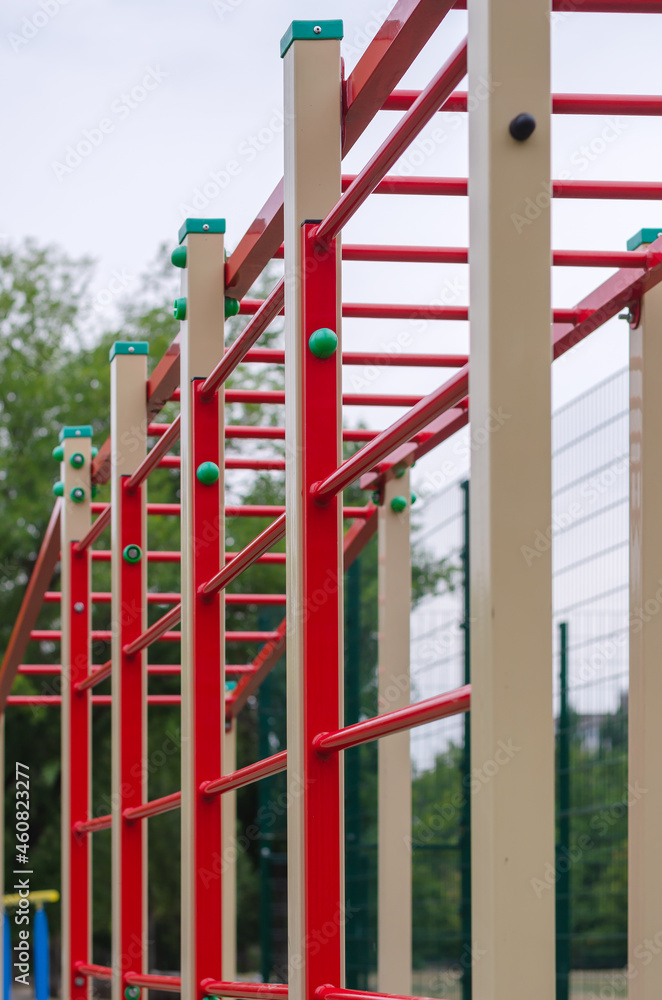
pixel 376 498
pixel 77 494
pixel 132 554
pixel 208 473
pixel 179 310
pixel 413 498
pixel 323 343
pixel 58 453
pixel 132 992
pixel 77 460
pixel 83 431
pixel 310 30
pixel 129 347
pixel 399 473
pixel 204 226
pixel 231 307
pixel 58 488
pixel 398 504
pixel 178 256
pixel 643 236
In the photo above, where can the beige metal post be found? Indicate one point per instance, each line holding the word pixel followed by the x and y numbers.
pixel 202 346
pixel 394 803
pixel 75 522
pixel 229 855
pixel 645 697
pixel 312 79
pixel 128 437
pixel 512 752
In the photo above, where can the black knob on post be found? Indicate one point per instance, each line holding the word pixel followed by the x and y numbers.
pixel 522 126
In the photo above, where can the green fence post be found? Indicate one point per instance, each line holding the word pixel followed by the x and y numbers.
pixel 465 820
pixel 563 845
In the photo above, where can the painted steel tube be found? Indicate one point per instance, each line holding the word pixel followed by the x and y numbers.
pixel 154 456
pixel 167 803
pixel 246 775
pixel 97 529
pixel 423 109
pixel 172 984
pixel 94 971
pixel 250 991
pixel 438 707
pixel 155 631
pixel 92 825
pixel 562 104
pixel 245 558
pixel 433 405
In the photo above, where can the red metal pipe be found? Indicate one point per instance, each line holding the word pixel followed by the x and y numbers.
pixel 271 433
pixel 433 405
pixel 105 699
pixel 92 825
pixel 268 310
pixel 438 707
pixel 155 631
pixel 402 311
pixel 172 984
pixel 371 358
pixel 333 993
pixel 40 669
pixel 103 555
pixel 245 558
pixel 255 464
pixel 154 456
pixel 424 108
pixel 97 529
pixel 458 187
pixel 167 803
pixel 246 775
pixel 95 677
pixel 275 396
pixel 249 991
pixel 562 104
pixel 93 971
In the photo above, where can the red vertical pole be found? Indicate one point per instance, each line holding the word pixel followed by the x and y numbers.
pixel 208 689
pixel 78 737
pixel 133 747
pixel 322 588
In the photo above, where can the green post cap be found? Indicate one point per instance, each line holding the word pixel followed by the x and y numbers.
pixel 84 431
pixel 134 347
pixel 310 30
pixel 413 498
pixel 132 992
pixel 398 504
pixel 323 342
pixel 178 256
pixel 376 498
pixel 643 236
pixel 58 453
pixel 58 488
pixel 132 554
pixel 208 473
pixel 179 310
pixel 399 473
pixel 77 460
pixel 205 226
pixel 77 494
pixel 231 307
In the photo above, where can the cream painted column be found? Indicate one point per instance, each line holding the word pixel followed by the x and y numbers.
pixel 202 644
pixel 645 697
pixel 76 750
pixel 229 828
pixel 128 446
pixel 312 80
pixel 394 802
pixel 512 731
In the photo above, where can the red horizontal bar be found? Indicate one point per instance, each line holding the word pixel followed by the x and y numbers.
pixel 245 558
pixel 154 456
pixel 433 405
pixel 172 984
pixel 333 993
pixel 167 803
pixel 423 109
pixel 270 433
pixel 274 357
pixel 458 187
pixel 267 311
pixel 97 699
pixel 103 555
pixel 255 464
pixel 442 705
pixel 97 529
pixel 562 104
pixel 246 775
pixel 105 635
pixel 40 668
pixel 275 396
pixel 251 991
pixel 403 310
pixel 93 971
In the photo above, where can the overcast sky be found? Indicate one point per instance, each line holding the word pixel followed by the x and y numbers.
pixel 209 79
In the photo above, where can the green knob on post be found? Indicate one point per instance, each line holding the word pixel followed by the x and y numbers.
pixel 94 491
pixel 413 498
pixel 77 494
pixel 398 504
pixel 58 488
pixel 178 256
pixel 132 554
pixel 179 309
pixel 323 343
pixel 77 460
pixel 376 498
pixel 231 307
pixel 399 473
pixel 58 453
pixel 132 992
pixel 208 473
pixel 95 451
